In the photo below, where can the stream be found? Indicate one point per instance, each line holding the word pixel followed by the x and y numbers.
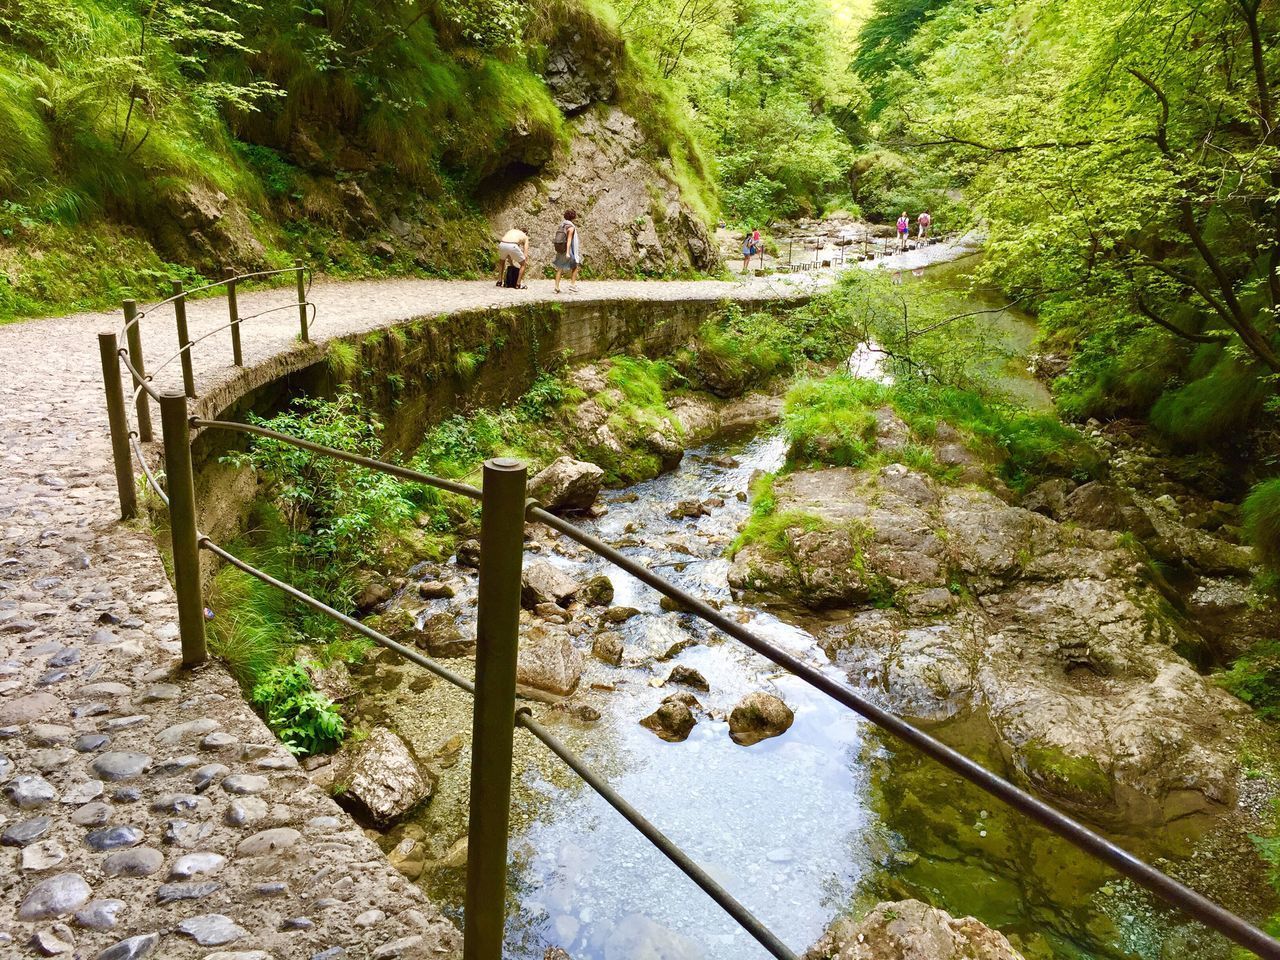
pixel 826 818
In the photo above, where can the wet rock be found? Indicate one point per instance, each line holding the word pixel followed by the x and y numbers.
pixel 608 648
pixel 54 897
pixel 913 931
pixel 134 948
pixel 616 615
pixel 669 451
pixel 440 637
pixel 567 484
pixel 212 929
pixel 382 780
pixel 468 554
pixel 409 857
pixel 434 590
pixel 672 721
pixel 597 592
pixel 687 510
pixel 99 914
pixel 548 661
pixel 688 677
pixel 543 582
pixel 759 716
pixel 373 592
pixel 552 613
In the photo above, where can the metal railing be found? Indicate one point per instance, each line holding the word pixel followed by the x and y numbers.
pixel 817 256
pixel 505 511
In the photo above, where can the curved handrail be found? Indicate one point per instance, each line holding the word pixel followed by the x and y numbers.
pixel 218 283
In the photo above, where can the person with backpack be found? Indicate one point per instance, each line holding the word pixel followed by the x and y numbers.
pixel 513 253
pixel 924 222
pixel 904 230
pixel 750 247
pixel 568 255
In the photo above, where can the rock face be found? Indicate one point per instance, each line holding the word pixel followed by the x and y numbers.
pixel 567 484
pixel 632 217
pixel 911 930
pixel 759 716
pixel 382 780
pixel 1062 642
pixel 548 661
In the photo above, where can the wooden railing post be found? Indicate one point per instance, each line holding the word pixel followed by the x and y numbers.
pixel 302 301
pixel 184 338
pixel 133 336
pixel 118 422
pixel 180 484
pixel 233 308
pixel 493 724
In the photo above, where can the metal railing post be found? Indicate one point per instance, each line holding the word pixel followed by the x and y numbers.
pixel 184 339
pixel 493 726
pixel 118 422
pixel 302 302
pixel 133 335
pixel 234 309
pixel 182 526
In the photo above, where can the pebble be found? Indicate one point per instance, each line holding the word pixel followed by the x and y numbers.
pixel 333 953
pixel 239 955
pixel 48 734
pixel 275 889
pixel 245 784
pixel 405 946
pixel 44 855
pixel 92 815
pixel 184 833
pixel 160 691
pixel 177 765
pixel 127 795
pixel 6 767
pixel 135 948
pixel 25 831
pixel 99 914
pixel 369 918
pixel 173 892
pixel 113 838
pixel 139 862
pixel 89 742
pixel 177 803
pixel 182 731
pixel 191 864
pixel 298 923
pixel 268 841
pixel 29 791
pixel 218 741
pixel 82 793
pixel 120 765
pixel 54 897
pixel 51 759
pixel 245 811
pixel 50 944
pixel 122 723
pixel 205 776
pixel 90 710
pixel 211 929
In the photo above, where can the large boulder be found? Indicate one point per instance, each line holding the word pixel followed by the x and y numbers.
pixel 379 779
pixel 440 637
pixel 543 582
pixel 548 662
pixel 911 930
pixel 1055 632
pixel 759 716
pixel 567 484
pixel 1106 507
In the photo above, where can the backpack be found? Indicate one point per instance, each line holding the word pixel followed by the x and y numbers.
pixel 561 241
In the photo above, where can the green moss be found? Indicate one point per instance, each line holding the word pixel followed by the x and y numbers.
pixel 1064 773
pixel 343 359
pixel 831 421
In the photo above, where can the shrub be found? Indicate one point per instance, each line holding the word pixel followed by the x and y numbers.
pixel 305 720
pixel 1261 512
pixel 831 421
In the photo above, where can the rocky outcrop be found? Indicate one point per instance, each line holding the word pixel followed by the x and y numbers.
pixel 379 780
pixel 1053 630
pixel 632 216
pixel 759 716
pixel 567 484
pixel 911 930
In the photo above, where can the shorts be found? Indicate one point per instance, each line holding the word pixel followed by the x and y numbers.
pixel 512 252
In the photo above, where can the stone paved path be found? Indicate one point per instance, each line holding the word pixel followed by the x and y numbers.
pixel 146 811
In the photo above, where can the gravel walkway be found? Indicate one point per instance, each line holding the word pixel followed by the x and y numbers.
pixel 145 811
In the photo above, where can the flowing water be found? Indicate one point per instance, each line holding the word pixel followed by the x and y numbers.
pixel 826 818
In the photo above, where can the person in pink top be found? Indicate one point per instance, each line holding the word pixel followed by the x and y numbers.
pixel 750 247
pixel 904 230
pixel 923 223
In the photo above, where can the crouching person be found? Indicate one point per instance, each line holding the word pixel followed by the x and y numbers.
pixel 513 253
